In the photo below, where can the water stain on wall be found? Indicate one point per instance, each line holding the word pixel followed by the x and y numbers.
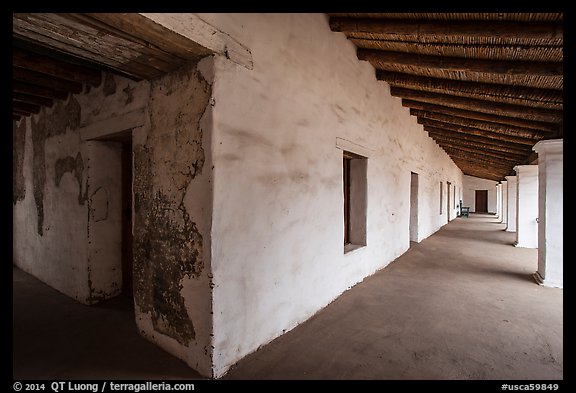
pixel 64 116
pixel 74 166
pixel 18 146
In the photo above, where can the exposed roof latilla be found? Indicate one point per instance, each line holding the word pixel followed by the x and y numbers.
pixel 485 86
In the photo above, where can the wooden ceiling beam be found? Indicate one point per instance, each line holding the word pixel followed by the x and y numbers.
pixel 40 91
pixel 32 99
pixel 495 170
pixel 480 163
pixel 82 54
pixel 506 137
pixel 542 98
pixel 467 155
pixel 524 112
pixel 488 117
pixel 482 172
pixel 22 112
pixel 380 58
pixel 463 162
pixel 59 69
pixel 117 50
pixel 31 108
pixel 141 28
pixel 486 142
pixel 454 28
pixel 482 128
pixel 511 159
pixel 483 176
pixel 36 78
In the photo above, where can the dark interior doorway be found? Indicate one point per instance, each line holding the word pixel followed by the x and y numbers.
pixel 123 140
pixel 481 201
pixel 127 216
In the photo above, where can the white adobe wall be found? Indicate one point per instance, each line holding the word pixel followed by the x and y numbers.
pixel 277 230
pixel 471 184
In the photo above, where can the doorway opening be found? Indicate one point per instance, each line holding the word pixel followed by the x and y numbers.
pixel 481 201
pixel 413 207
pixel 119 168
pixel 448 209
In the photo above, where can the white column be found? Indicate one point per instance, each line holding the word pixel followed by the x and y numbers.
pixel 527 206
pixel 512 191
pixel 550 212
pixel 504 201
pixel 498 200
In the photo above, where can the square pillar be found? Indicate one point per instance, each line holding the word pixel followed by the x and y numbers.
pixel 504 201
pixel 498 200
pixel 527 206
pixel 512 191
pixel 550 212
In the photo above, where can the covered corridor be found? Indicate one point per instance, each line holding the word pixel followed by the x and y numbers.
pixel 462 304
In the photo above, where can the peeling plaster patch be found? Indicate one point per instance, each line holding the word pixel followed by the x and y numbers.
pixel 168 248
pixel 168 245
pixel 109 87
pixel 99 204
pixel 18 147
pixel 64 116
pixel 76 167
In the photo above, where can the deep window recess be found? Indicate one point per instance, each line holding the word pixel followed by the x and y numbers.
pixel 354 177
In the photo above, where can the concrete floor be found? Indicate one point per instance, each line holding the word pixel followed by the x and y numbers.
pixel 459 305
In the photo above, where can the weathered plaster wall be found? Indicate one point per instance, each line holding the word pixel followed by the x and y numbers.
pixel 50 209
pixel 471 184
pixel 66 215
pixel 67 205
pixel 277 231
pixel 172 216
